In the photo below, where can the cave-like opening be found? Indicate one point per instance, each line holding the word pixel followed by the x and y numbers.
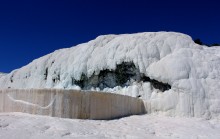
pixel 121 76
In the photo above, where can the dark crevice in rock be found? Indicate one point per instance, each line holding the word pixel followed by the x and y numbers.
pixel 56 77
pixel 156 84
pixel 52 62
pixel 83 80
pixel 46 74
pixel 121 76
pixel 159 85
pixel 11 78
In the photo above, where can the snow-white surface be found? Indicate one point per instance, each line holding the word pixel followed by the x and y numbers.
pixel 193 71
pixel 25 126
pixel 2 74
pixel 146 50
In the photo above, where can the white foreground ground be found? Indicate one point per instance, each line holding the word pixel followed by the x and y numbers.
pixel 25 126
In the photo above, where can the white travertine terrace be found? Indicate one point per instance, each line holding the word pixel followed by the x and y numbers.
pixel 192 71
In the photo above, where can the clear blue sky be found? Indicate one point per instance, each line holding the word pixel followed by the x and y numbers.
pixel 30 29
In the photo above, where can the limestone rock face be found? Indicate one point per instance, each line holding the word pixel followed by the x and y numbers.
pixel 70 103
pixel 172 74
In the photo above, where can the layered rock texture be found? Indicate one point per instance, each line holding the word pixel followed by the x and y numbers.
pixel 172 74
pixel 70 103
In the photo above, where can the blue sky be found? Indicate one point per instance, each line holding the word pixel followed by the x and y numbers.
pixel 30 29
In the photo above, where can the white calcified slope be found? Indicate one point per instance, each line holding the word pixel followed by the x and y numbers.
pixel 2 74
pixel 192 71
pixel 25 126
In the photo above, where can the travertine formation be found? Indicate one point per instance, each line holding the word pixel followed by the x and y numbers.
pixel 171 73
pixel 69 103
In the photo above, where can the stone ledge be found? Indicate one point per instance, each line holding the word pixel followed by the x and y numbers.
pixel 70 103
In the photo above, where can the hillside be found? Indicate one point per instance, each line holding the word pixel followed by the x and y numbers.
pixel 168 70
pixel 2 74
